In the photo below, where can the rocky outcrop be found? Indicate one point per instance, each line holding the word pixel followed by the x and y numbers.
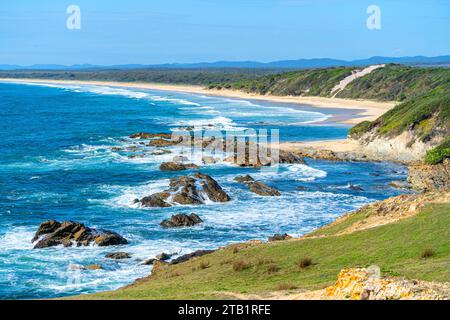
pixel 159 142
pixel 208 160
pixel 367 284
pixel 279 237
pixel 387 211
pixel 425 177
pixel 193 189
pixel 190 256
pixel 154 201
pixel 176 166
pixel 211 188
pixel 160 258
pixel 263 189
pixel 257 186
pixel 244 179
pixel 118 255
pixel 163 256
pixel 405 147
pixel 181 220
pixel 53 233
pixel 93 267
pixel 146 135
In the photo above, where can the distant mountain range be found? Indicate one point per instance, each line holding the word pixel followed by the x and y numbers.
pixel 282 64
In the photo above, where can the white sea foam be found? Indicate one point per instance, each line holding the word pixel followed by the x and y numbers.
pixel 298 171
pixel 124 196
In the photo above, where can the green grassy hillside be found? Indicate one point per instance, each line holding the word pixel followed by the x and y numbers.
pixel 314 82
pixel 260 268
pixel 397 83
pixel 427 115
pixel 422 114
pixel 393 82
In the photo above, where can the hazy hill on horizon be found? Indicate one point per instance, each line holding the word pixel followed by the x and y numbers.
pixel 281 64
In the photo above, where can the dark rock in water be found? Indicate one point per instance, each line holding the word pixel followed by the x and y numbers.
pixel 187 190
pixel 93 267
pixel 181 220
pixel 289 157
pixel 109 238
pixel 163 256
pixel 154 201
pixel 46 228
pixel 159 152
pixel 212 188
pixel 145 135
pixel 279 237
pixel 191 255
pixel 176 166
pixel 53 233
pixel 118 255
pixel 355 187
pixel 163 142
pixel 244 179
pixel 262 189
pixel 257 186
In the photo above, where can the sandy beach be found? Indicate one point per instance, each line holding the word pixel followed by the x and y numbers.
pixel 337 145
pixel 358 110
pixel 366 109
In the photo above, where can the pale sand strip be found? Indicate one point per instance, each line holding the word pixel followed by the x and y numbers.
pixel 370 110
pixel 338 145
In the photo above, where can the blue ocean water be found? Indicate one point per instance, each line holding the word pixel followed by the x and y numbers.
pixel 57 163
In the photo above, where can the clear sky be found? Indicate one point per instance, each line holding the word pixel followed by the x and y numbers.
pixel 157 31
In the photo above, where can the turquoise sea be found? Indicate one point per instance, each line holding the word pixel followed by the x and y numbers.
pixel 57 163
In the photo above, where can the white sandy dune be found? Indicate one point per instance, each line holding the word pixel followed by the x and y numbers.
pixel 355 75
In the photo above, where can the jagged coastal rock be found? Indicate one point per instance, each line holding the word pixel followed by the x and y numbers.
pixel 279 237
pixel 257 186
pixel 181 220
pixel 176 166
pixel 191 255
pixel 193 189
pixel 424 177
pixel 146 135
pixel 118 255
pixel 53 233
pixel 367 284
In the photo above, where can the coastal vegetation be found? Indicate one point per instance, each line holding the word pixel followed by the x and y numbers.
pixel 400 249
pixel 390 83
pixel 438 153
pixel 426 114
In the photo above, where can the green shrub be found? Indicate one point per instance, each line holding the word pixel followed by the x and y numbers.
pixel 304 262
pixel 427 253
pixel 438 153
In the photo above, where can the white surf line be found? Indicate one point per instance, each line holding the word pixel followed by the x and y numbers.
pixel 355 75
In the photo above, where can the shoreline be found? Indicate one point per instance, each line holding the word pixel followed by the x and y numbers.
pixel 358 110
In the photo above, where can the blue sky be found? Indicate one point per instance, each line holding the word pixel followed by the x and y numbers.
pixel 156 31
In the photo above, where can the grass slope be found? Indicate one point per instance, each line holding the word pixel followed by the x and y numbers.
pixel 397 83
pixel 427 115
pixel 261 268
pixel 393 82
